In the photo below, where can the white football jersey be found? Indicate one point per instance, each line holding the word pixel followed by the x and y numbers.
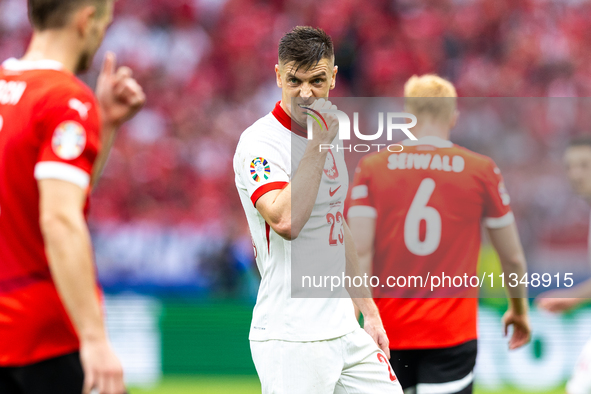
pixel 266 159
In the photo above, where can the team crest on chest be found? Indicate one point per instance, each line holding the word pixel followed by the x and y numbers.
pixel 330 166
pixel 69 140
pixel 260 170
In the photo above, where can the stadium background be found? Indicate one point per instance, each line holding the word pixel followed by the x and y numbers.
pixel 172 245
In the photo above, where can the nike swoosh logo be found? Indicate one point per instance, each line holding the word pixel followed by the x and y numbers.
pixel 332 192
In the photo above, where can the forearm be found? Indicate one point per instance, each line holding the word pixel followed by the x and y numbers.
pixel 361 295
pixel 508 246
pixel 519 305
pixel 518 294
pixel 365 260
pixel 582 290
pixel 372 322
pixel 108 133
pixel 305 185
pixel 293 205
pixel 362 230
pixel 69 252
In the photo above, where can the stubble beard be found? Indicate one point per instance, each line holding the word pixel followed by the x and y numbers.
pixel 84 63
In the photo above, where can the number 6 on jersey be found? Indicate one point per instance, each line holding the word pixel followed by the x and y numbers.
pixel 420 211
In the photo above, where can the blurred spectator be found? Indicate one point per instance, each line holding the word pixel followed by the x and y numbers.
pixel 207 67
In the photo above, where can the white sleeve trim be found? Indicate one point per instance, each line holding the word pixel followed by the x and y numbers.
pixel 501 222
pixel 362 211
pixel 63 172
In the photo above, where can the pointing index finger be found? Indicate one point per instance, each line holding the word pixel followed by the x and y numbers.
pixel 109 63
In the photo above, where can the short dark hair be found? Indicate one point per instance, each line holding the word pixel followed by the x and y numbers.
pixel 54 14
pixel 580 140
pixel 305 46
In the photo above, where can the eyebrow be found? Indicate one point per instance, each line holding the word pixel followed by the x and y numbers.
pixel 320 74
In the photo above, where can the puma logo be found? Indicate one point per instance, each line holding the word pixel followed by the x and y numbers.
pixel 80 107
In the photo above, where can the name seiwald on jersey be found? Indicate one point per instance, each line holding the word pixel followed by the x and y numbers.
pixel 428 204
pixel 266 158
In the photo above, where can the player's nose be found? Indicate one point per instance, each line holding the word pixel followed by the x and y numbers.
pixel 306 93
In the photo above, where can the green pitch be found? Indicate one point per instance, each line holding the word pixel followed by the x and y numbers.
pixel 204 385
pixel 515 391
pixel 250 385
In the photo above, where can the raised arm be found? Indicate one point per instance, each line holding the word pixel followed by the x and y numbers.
pixel 120 97
pixel 288 210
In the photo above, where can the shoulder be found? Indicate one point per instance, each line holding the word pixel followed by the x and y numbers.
pixel 55 92
pixel 373 159
pixel 73 100
pixel 476 160
pixel 264 134
pixel 68 86
pixel 55 82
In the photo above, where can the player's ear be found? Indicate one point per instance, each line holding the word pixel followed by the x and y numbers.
pixel 84 20
pixel 454 119
pixel 278 75
pixel 333 80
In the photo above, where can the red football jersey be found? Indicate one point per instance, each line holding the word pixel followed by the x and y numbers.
pixel 49 129
pixel 429 202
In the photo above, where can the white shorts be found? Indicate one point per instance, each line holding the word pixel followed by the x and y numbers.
pixel 351 364
pixel 580 382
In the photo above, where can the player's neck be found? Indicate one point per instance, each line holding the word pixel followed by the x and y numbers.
pixel 58 45
pixel 430 129
pixel 284 106
pixel 288 112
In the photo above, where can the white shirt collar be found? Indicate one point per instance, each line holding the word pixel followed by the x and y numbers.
pixel 429 140
pixel 13 64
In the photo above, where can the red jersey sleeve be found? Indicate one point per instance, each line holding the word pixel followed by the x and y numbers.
pixel 497 211
pixel 360 201
pixel 69 129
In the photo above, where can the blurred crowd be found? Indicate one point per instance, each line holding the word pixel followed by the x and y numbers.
pixel 207 68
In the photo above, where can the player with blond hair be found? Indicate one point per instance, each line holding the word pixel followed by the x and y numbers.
pixel 443 193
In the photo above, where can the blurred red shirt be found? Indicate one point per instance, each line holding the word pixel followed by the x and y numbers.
pixel 428 202
pixel 49 129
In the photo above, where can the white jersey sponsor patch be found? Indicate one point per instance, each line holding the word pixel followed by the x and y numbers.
pixel 69 140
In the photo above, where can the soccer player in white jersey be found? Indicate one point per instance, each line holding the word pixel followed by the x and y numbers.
pixel 578 170
pixel 288 189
